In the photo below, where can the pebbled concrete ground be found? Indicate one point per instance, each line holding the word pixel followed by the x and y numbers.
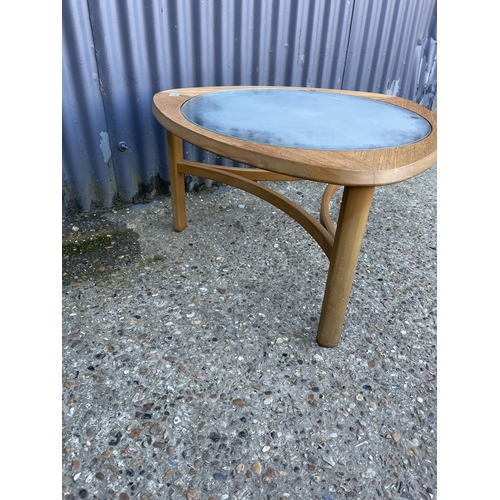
pixel 189 363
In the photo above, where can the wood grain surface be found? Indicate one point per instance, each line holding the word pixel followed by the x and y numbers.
pixel 347 168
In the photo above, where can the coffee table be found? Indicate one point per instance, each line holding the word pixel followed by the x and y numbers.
pixel 358 140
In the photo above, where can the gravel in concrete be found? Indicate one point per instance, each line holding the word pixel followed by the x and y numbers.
pixel 189 363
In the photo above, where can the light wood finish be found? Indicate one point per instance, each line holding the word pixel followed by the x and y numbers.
pixel 306 220
pixel 177 187
pixel 324 211
pixel 351 224
pixel 346 168
pixel 358 171
pixel 256 174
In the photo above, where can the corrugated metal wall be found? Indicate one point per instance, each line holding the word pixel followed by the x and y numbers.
pixel 117 54
pixel 392 49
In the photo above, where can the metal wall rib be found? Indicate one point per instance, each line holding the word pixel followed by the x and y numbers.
pixel 117 54
pixel 392 49
pixel 87 171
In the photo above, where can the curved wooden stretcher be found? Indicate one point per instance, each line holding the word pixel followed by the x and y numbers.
pixel 359 169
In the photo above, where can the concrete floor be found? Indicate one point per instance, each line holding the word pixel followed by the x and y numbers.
pixel 189 363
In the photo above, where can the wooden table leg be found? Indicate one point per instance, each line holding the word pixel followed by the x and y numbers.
pixel 353 215
pixel 177 188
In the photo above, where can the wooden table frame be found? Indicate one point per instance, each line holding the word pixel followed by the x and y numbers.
pixel 358 171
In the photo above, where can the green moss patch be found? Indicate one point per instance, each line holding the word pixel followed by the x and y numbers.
pixel 93 247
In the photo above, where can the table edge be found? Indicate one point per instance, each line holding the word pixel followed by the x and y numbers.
pixel 344 167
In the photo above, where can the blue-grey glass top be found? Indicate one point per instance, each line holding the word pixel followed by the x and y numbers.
pixel 307 119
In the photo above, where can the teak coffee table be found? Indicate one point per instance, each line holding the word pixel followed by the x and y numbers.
pixel 358 140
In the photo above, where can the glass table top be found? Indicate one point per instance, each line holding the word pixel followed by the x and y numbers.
pixel 307 119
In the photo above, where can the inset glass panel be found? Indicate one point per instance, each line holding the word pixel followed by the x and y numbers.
pixel 307 119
